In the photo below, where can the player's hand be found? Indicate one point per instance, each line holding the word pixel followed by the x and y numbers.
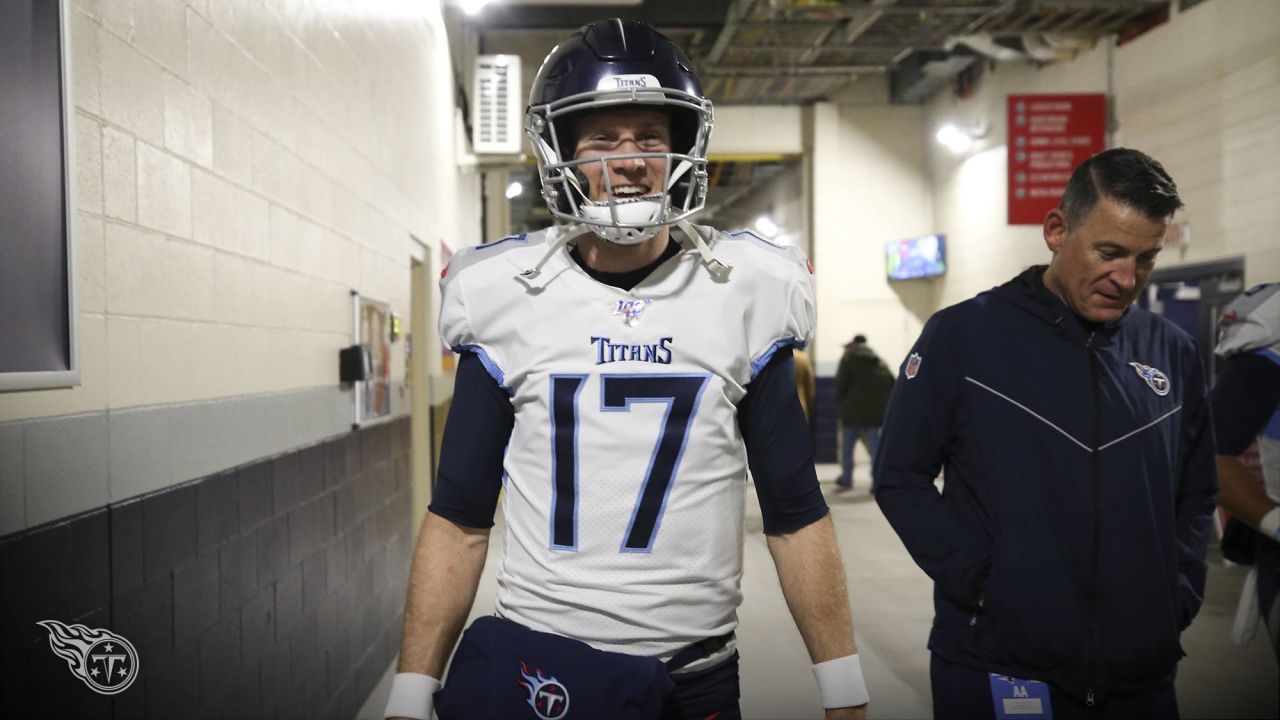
pixel 849 713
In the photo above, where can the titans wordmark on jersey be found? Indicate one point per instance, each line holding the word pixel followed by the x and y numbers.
pixel 624 473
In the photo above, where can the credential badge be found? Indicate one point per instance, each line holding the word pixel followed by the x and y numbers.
pixel 548 698
pixel 1156 380
pixel 913 365
pixel 629 310
pixel 103 660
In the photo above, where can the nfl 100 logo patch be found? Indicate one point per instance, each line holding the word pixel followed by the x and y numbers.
pixel 548 698
pixel 629 310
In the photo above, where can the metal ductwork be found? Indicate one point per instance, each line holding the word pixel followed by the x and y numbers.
pixel 922 74
pixel 801 51
pixel 1034 47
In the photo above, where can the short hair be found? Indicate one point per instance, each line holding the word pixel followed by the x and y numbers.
pixel 860 339
pixel 1126 176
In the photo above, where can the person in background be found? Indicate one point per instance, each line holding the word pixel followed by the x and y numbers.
pixel 863 384
pixel 1067 547
pixel 1246 405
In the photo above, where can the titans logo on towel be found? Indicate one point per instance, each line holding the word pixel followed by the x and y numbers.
pixel 548 698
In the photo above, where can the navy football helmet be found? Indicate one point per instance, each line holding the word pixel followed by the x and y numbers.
pixel 610 64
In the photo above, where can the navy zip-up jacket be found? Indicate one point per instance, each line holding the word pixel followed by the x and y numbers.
pixel 1079 487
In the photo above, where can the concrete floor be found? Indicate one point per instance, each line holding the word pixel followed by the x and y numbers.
pixel 892 604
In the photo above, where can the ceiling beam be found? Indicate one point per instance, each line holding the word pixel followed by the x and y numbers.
pixel 739 10
pixel 863 19
pixel 672 13
pixel 856 47
pixel 770 70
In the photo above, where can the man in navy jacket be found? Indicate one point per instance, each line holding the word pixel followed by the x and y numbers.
pixel 1067 547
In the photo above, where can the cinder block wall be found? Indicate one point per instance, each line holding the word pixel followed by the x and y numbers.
pixel 275 589
pixel 241 167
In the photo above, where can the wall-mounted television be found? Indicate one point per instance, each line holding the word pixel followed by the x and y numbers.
pixel 917 257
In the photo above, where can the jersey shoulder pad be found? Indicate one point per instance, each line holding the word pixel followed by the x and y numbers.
pixel 739 247
pixel 495 259
pixel 777 280
pixel 1251 322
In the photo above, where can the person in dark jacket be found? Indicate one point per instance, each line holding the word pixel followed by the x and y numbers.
pixel 1067 547
pixel 863 384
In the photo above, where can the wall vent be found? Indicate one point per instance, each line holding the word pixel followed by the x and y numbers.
pixel 496 112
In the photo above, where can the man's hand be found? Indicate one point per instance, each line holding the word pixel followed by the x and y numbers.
pixel 850 713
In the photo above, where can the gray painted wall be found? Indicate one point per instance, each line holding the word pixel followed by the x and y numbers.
pixel 52 468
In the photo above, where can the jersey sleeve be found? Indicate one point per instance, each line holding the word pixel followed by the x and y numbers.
pixel 780 449
pixel 1251 323
pixel 475 438
pixel 1244 399
pixel 915 442
pixel 784 308
pixel 457 326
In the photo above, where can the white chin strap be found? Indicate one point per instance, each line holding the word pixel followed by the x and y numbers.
pixel 631 212
pixel 647 212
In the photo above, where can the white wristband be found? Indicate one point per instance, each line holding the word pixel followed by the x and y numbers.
pixel 1270 524
pixel 840 682
pixel 411 696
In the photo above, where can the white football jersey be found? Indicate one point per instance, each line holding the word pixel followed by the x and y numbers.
pixel 624 474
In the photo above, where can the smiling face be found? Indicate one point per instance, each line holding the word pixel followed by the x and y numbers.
pixel 622 131
pixel 1101 265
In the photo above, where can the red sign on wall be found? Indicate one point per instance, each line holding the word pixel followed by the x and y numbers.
pixel 1049 135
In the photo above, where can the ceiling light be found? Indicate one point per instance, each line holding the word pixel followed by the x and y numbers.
pixel 472 7
pixel 766 227
pixel 514 190
pixel 956 140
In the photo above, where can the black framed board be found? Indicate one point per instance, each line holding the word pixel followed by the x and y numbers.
pixel 37 278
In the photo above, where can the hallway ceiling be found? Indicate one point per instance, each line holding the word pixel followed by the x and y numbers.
pixel 802 51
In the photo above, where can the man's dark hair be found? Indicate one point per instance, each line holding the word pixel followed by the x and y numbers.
pixel 860 339
pixel 1128 177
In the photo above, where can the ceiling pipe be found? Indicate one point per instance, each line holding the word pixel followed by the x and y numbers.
pixel 1041 48
pixel 986 45
pixel 739 10
pixel 864 18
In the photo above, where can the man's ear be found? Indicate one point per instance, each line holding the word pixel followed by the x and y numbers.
pixel 1055 230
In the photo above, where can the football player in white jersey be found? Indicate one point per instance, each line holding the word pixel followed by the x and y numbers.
pixel 1246 405
pixel 619 374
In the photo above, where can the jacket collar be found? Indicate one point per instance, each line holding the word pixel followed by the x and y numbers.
pixel 1028 292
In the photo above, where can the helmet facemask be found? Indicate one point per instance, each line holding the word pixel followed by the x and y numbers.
pixel 623 220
